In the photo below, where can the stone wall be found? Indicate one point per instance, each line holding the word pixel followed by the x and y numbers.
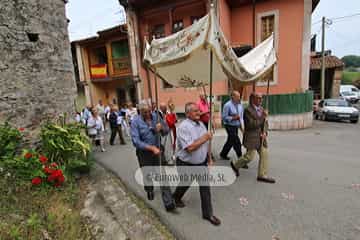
pixel 36 70
pixel 338 72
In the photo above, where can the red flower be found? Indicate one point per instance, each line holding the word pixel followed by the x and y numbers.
pixel 21 129
pixel 43 159
pixel 28 155
pixel 54 165
pixel 51 178
pixel 61 179
pixel 56 176
pixel 48 170
pixel 36 181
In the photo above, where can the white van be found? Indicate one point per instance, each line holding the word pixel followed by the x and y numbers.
pixel 351 89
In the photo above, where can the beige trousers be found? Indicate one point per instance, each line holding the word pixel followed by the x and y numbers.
pixel 250 155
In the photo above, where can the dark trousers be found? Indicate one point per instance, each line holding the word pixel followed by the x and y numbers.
pixel 232 141
pixel 114 131
pixel 205 194
pixel 148 159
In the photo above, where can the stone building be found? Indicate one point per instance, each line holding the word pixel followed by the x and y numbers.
pixel 36 70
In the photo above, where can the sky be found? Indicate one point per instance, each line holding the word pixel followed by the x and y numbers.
pixel 342 36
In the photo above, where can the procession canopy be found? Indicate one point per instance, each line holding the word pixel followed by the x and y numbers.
pixel 182 59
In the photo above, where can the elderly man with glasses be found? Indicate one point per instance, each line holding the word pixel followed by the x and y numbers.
pixel 255 138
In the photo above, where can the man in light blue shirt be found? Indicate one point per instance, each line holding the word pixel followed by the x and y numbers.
pixel 193 144
pixel 233 118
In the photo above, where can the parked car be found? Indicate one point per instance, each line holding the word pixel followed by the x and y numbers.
pixel 351 97
pixel 336 109
pixel 350 88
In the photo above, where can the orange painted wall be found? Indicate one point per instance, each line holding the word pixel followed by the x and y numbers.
pixel 225 18
pixel 236 24
pixel 291 17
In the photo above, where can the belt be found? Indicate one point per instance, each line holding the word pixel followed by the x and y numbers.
pixel 191 164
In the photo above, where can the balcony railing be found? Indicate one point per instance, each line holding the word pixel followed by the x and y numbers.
pixel 121 66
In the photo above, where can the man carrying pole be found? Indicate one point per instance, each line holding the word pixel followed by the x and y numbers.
pixel 145 131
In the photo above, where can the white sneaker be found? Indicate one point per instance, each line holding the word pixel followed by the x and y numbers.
pixel 103 150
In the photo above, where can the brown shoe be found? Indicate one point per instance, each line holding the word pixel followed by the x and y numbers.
pixel 266 179
pixel 236 171
pixel 213 220
pixel 245 166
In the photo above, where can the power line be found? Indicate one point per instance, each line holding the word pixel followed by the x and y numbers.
pixel 338 18
pixel 347 16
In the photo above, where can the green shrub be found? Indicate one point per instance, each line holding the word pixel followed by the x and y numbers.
pixel 10 139
pixel 66 145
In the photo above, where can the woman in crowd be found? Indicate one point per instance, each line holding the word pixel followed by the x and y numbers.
pixel 171 120
pixel 95 128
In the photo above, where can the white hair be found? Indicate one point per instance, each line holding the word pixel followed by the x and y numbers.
pixel 188 106
pixel 143 104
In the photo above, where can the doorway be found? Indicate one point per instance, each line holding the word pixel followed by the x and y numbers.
pixel 121 96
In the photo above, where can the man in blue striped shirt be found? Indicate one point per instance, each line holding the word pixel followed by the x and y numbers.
pixel 145 130
pixel 233 118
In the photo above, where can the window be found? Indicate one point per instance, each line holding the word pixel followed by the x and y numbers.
pixel 120 57
pixel 268 24
pixel 158 31
pixel 178 26
pixel 98 62
pixel 99 56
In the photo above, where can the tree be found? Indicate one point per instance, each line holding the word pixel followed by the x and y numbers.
pixel 351 61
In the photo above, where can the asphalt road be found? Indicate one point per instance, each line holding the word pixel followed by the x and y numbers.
pixel 317 194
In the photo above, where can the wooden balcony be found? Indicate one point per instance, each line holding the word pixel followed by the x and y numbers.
pixel 116 69
pixel 121 66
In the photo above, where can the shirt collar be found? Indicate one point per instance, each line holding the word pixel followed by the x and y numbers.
pixel 235 104
pixel 193 122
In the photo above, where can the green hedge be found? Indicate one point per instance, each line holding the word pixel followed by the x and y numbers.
pixel 286 103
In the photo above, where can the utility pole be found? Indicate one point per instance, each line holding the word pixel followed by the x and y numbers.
pixel 254 34
pixel 322 93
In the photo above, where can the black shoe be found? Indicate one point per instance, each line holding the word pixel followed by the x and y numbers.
pixel 150 195
pixel 179 203
pixel 213 220
pixel 236 171
pixel 224 157
pixel 245 166
pixel 266 179
pixel 171 208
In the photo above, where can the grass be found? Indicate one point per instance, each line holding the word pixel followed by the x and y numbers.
pixel 349 77
pixel 32 213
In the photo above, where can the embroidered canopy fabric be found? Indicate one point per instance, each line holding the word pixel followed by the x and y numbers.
pixel 183 58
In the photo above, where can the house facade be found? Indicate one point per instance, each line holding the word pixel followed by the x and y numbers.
pixel 245 23
pixel 103 67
